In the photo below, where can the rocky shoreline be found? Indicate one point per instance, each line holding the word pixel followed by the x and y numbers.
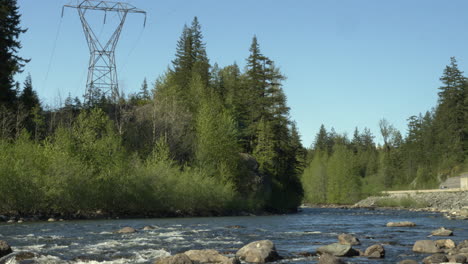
pixel 453 205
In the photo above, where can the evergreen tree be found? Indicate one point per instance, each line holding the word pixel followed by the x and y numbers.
pixel 450 116
pixel 321 140
pixel 31 106
pixel 10 62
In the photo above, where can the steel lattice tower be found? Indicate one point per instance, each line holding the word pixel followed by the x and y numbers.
pixel 102 70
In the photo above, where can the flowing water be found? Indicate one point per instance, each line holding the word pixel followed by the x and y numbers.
pixel 95 241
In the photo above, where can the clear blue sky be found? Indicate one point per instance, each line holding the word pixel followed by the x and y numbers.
pixel 348 63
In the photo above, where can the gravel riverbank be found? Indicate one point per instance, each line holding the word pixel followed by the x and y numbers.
pixel 453 204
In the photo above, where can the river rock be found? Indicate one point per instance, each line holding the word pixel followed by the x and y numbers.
pixel 442 232
pixel 401 224
pixel 176 259
pixel 445 243
pixel 329 259
pixel 147 228
pixel 126 230
pixel 235 226
pixel 426 246
pixel 459 258
pixel 5 249
pixel 338 250
pixel 436 258
pixel 375 251
pixel 51 220
pixel 463 244
pixel 258 252
pixel 348 239
pixel 206 256
pixel 408 261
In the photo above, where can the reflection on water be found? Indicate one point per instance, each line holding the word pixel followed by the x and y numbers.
pixel 95 241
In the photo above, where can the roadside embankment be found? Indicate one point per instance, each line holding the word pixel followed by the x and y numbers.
pixel 452 202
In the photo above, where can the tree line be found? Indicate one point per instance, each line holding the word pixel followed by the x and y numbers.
pixel 343 170
pixel 203 139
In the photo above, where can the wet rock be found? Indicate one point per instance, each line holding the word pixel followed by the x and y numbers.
pixel 21 256
pixel 11 221
pixel 348 239
pixel 176 259
pixel 442 232
pixel 231 261
pixel 329 259
pixel 5 249
pixel 147 228
pixel 51 220
pixel 401 224
pixel 459 258
pixel 436 258
pixel 338 250
pixel 445 243
pixel 463 244
pixel 206 256
pixel 408 261
pixel 258 252
pixel 126 230
pixel 375 251
pixel 426 246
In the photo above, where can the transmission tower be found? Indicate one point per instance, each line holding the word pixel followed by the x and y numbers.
pixel 102 70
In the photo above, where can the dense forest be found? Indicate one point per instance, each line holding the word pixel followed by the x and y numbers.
pixel 202 140
pixel 343 170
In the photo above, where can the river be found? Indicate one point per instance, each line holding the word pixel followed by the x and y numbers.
pixel 96 242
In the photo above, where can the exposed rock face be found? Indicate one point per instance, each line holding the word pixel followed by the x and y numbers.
pixel 329 259
pixel 401 224
pixel 258 252
pixel 338 250
pixel 348 239
pixel 437 258
pixel 126 230
pixel 5 249
pixel 408 261
pixel 442 232
pixel 206 256
pixel 176 259
pixel 375 251
pixel 426 246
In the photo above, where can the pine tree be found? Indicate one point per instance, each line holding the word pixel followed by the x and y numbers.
pixel 10 62
pixel 321 140
pixel 450 116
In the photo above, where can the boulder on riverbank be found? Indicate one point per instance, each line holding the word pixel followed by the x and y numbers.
pixel 445 243
pixel 176 259
pixel 209 256
pixel 401 224
pixel 442 232
pixel 348 239
pixel 375 251
pixel 426 246
pixel 436 258
pixel 329 259
pixel 258 252
pixel 459 258
pixel 338 250
pixel 5 249
pixel 408 261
